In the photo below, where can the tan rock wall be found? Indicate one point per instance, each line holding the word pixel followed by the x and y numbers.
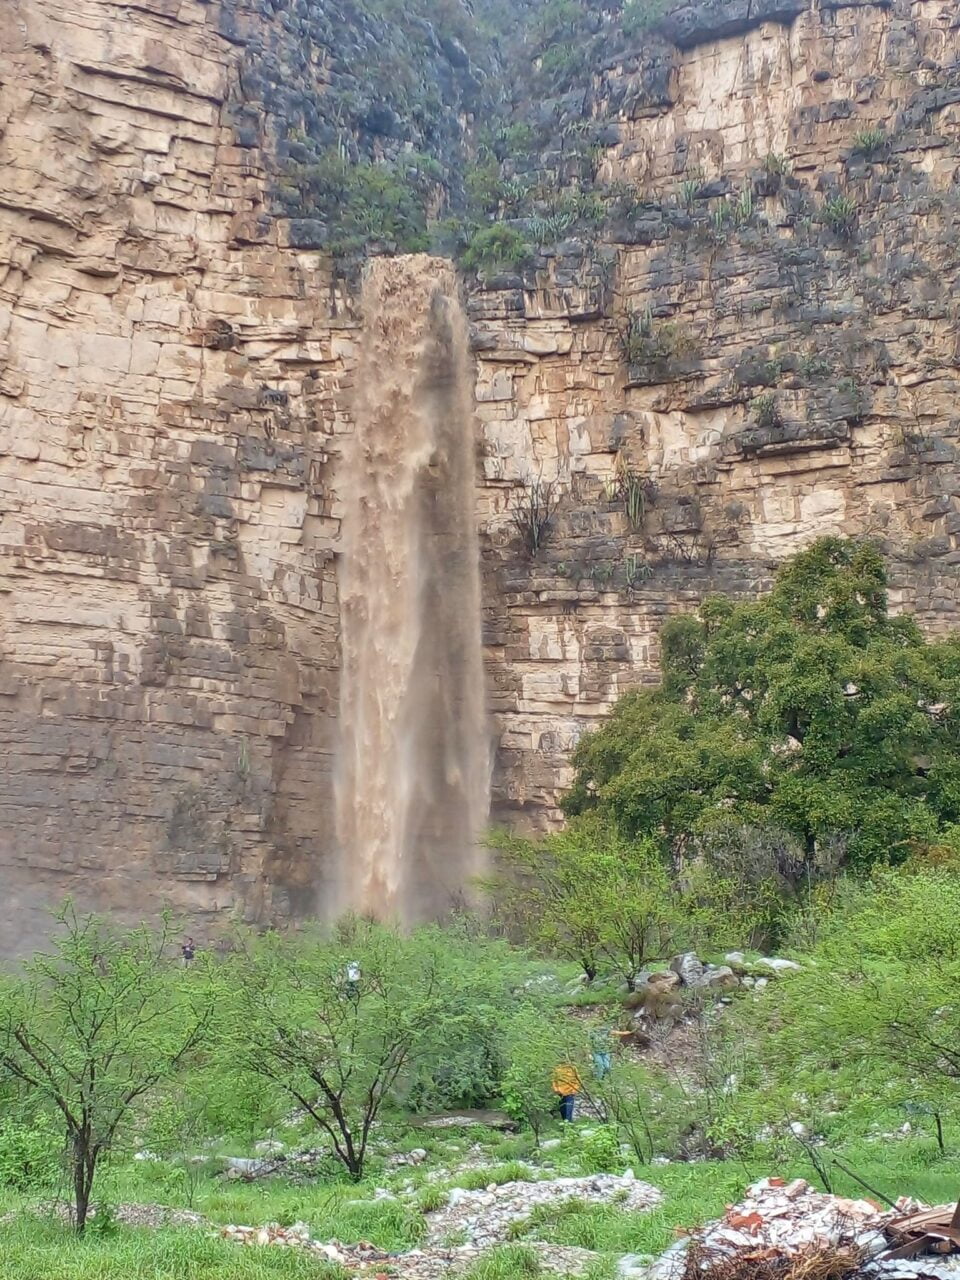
pixel 855 340
pixel 168 616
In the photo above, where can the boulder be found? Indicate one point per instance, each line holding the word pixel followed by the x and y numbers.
pixel 689 968
pixel 720 977
pixel 664 981
pixel 778 965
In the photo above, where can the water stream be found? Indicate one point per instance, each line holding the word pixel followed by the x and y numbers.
pixel 413 767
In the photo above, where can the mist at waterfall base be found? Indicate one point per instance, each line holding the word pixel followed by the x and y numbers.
pixel 413 770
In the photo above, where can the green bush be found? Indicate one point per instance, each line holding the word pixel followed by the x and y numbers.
pixel 840 214
pixel 496 248
pixel 766 412
pixel 31 1153
pixel 640 15
pixel 361 202
pixel 601 1150
pixel 866 1033
pixel 870 142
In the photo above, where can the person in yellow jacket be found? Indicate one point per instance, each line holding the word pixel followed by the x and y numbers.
pixel 566 1085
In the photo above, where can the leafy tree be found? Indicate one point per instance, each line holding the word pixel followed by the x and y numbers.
pixel 813 711
pixel 94 1026
pixel 592 895
pixel 342 1048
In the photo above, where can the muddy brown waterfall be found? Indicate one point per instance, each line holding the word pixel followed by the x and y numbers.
pixel 413 773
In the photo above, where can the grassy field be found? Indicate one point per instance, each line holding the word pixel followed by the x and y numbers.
pixel 36 1245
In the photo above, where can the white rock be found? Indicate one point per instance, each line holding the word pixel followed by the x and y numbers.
pixel 777 964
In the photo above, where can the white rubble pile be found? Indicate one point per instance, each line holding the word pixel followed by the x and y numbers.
pixel 485 1217
pixel 790 1219
pixel 366 1260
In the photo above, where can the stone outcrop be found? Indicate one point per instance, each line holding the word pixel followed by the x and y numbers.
pixel 763 348
pixel 789 375
pixel 169 383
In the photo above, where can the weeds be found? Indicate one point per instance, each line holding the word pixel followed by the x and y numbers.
pixel 479 1179
pixel 496 248
pixel 840 214
pixel 690 190
pixel 641 340
pixel 766 411
pixel 776 165
pixel 509 1262
pixel 533 509
pixel 870 142
pixel 636 571
pixel 629 487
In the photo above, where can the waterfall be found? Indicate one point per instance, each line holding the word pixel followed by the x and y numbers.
pixel 413 768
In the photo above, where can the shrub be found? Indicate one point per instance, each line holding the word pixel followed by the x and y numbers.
pixel 360 201
pixel 596 898
pixel 641 15
pixel 342 1050
pixel 496 248
pixel 870 142
pixel 533 507
pixel 840 214
pixel 600 1152
pixel 871 1025
pixel 766 411
pixel 93 1027
pixel 31 1153
pixel 641 340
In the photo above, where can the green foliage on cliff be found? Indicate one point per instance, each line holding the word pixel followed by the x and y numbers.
pixel 496 248
pixel 812 711
pixel 359 203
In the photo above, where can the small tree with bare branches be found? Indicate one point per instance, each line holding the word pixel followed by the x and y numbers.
pixel 336 1023
pixel 93 1026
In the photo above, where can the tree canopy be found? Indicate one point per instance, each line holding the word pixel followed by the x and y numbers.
pixel 813 711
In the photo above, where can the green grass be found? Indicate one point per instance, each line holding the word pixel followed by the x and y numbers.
pixel 31 1248
pixel 504 1263
pixel 478 1179
pixel 34 1247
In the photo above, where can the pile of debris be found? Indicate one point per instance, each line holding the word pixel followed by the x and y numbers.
pixel 485 1218
pixel 789 1231
pixel 434 1263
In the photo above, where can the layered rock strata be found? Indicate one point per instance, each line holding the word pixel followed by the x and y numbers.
pixel 762 349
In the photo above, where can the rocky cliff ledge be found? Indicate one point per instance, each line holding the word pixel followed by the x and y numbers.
pixel 759 345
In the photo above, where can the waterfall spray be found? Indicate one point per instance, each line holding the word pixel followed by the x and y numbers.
pixel 413 768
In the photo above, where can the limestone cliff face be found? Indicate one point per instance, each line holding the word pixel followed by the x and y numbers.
pixel 789 375
pixel 763 348
pixel 169 376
